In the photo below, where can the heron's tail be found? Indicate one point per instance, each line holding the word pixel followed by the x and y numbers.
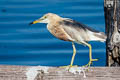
pixel 100 36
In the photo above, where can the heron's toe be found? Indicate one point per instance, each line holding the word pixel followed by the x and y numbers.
pixel 90 62
pixel 94 59
pixel 68 66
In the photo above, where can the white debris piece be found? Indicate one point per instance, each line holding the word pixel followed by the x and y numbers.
pixel 78 70
pixel 33 71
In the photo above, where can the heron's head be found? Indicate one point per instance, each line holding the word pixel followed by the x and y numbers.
pixel 46 18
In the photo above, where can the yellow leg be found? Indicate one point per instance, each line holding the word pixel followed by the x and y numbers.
pixel 72 60
pixel 90 55
pixel 74 53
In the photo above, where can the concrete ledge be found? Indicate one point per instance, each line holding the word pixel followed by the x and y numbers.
pixel 54 73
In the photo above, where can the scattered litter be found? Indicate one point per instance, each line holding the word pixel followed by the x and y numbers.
pixel 78 70
pixel 33 71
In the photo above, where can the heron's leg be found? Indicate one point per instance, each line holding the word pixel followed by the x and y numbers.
pixel 73 56
pixel 90 55
pixel 74 53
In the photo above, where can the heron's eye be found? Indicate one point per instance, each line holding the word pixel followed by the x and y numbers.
pixel 45 17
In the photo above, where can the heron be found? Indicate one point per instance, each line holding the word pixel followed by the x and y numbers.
pixel 70 30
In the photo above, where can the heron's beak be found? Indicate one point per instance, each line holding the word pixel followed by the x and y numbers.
pixel 34 22
pixel 37 21
pixel 40 20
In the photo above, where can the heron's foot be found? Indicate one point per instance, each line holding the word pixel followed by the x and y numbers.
pixel 68 67
pixel 90 62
